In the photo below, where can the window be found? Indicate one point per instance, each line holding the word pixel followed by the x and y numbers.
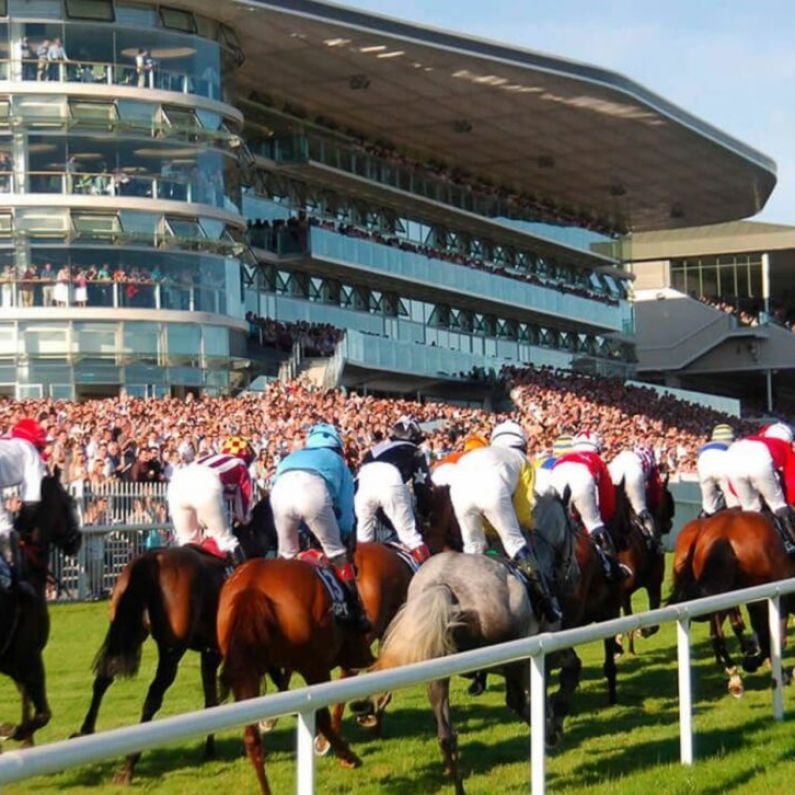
pixel 92 114
pixel 136 15
pixel 42 223
pixel 177 19
pixel 36 8
pixel 100 10
pixel 95 226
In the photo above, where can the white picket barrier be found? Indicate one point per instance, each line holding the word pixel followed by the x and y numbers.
pixel 18 765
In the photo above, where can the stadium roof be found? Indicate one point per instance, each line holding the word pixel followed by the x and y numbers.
pixel 582 137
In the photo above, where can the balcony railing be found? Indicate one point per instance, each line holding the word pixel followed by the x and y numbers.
pixel 114 74
pixel 126 293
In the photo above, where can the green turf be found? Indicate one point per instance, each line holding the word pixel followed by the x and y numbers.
pixel 629 748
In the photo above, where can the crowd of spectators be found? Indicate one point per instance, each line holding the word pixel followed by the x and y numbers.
pixel 316 339
pixel 138 440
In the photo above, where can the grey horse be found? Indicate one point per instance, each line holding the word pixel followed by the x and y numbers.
pixel 458 602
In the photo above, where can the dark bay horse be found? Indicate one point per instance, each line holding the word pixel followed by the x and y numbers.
pixel 24 620
pixel 644 557
pixel 730 550
pixel 276 614
pixel 171 594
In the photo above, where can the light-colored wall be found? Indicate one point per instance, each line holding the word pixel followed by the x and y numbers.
pixel 667 316
pixel 652 275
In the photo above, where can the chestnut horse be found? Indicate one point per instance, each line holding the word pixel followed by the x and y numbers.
pixel 276 614
pixel 172 594
pixel 24 620
pixel 730 550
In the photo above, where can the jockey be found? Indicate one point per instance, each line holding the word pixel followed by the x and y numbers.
pixel 198 491
pixel 496 483
pixel 545 463
pixel 314 487
pixel 763 468
pixel 638 469
pixel 711 467
pixel 591 492
pixel 442 471
pixel 21 464
pixel 389 473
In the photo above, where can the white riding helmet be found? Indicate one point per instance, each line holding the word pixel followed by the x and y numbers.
pixel 588 442
pixel 509 434
pixel 778 430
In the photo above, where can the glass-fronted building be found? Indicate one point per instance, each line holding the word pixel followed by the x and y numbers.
pixel 139 142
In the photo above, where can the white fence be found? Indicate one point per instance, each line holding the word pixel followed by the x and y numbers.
pixel 18 765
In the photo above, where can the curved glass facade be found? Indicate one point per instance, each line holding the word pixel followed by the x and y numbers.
pixel 119 166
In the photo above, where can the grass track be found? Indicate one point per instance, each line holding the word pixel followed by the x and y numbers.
pixel 630 748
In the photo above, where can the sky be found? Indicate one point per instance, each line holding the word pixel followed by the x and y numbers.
pixel 729 62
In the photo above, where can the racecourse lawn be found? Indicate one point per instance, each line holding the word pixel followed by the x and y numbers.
pixel 629 748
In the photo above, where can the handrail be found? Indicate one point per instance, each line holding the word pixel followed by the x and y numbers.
pixel 112 73
pixel 55 757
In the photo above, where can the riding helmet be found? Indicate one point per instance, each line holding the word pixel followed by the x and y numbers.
pixel 30 430
pixel 778 430
pixel 588 441
pixel 406 429
pixel 324 435
pixel 509 434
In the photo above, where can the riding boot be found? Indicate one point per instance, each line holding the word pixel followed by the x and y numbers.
pixel 649 531
pixel 357 618
pixel 234 559
pixel 614 571
pixel 420 554
pixel 540 595
pixel 784 525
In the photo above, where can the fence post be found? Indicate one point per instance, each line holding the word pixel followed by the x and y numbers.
pixel 305 774
pixel 685 691
pixel 537 723
pixel 774 617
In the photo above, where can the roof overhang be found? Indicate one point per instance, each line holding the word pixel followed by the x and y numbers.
pixel 584 138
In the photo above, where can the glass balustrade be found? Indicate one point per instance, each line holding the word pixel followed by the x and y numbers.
pixel 114 74
pixel 119 183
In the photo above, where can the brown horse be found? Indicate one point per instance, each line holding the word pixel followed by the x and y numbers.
pixel 277 614
pixel 724 552
pixel 24 620
pixel 172 594
pixel 645 557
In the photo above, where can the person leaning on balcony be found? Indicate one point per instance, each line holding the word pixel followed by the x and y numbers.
pixel 56 57
pixel 26 54
pixel 26 286
pixel 41 60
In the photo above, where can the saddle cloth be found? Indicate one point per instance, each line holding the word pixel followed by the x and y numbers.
pixel 404 554
pixel 337 592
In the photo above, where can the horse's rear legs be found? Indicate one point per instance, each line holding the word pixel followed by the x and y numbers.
pixel 168 660
pixel 32 691
pixel 101 685
pixel 210 660
pixel 439 697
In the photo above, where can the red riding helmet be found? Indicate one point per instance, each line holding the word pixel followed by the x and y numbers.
pixel 30 430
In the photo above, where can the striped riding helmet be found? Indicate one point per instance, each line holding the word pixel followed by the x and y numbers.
pixel 240 447
pixel 722 433
pixel 562 445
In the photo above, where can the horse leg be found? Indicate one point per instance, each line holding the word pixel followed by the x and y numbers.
pixel 568 682
pixel 32 690
pixel 210 660
pixel 168 660
pixel 101 685
pixel 517 696
pixel 245 686
pixel 324 726
pixel 626 608
pixel 759 623
pixel 439 697
pixel 748 646
pixel 339 709
pixel 281 678
pixel 654 592
pixel 722 655
pixel 610 670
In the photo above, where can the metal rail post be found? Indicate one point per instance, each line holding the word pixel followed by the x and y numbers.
pixel 685 691
pixel 774 617
pixel 537 724
pixel 305 775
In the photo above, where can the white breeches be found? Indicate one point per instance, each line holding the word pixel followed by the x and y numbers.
pixel 380 486
pixel 300 496
pixel 711 467
pixel 750 470
pixel 584 493
pixel 626 466
pixel 543 483
pixel 6 520
pixel 443 474
pixel 476 495
pixel 196 502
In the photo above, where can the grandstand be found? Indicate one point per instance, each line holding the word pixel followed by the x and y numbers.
pixel 173 171
pixel 713 303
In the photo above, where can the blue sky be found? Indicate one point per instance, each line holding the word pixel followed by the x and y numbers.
pixel 730 62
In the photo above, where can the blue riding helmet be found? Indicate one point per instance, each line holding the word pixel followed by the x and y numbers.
pixel 324 435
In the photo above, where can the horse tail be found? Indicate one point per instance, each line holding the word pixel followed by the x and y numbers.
pixel 245 637
pixel 422 629
pixel 120 653
pixel 684 586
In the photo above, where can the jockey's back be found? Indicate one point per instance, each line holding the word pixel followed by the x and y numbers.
pixel 21 465
pixel 503 463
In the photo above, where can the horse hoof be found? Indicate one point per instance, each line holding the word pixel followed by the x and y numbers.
pixel 322 746
pixel 122 778
pixel 554 737
pixel 736 689
pixel 367 721
pixel 647 632
pixel 7 731
pixel 351 762
pixel 787 675
pixel 361 708
pixel 266 726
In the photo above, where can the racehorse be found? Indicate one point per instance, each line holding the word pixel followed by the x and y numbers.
pixel 277 614
pixel 644 557
pixel 458 602
pixel 730 550
pixel 24 620
pixel 441 532
pixel 172 594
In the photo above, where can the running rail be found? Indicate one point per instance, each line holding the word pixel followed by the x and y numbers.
pixel 21 764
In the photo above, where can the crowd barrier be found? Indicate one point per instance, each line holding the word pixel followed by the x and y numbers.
pixel 304 702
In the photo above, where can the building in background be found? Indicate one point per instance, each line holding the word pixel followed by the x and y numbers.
pixel 174 174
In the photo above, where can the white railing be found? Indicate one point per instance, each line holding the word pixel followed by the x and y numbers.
pixel 55 757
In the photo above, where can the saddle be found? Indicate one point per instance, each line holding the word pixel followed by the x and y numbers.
pixel 404 553
pixel 209 547
pixel 338 593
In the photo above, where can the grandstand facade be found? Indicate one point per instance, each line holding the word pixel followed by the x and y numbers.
pixel 714 310
pixel 174 174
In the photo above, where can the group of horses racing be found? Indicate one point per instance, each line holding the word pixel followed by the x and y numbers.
pixel 274 617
